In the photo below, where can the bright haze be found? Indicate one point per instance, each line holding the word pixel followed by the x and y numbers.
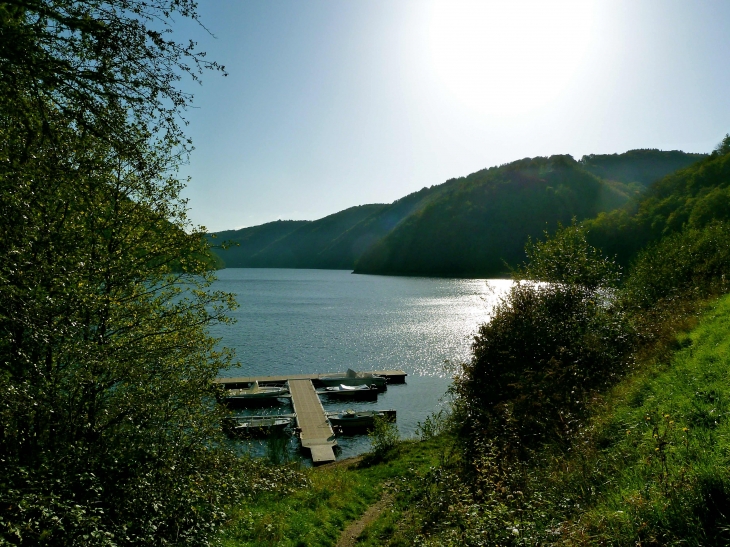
pixel 333 104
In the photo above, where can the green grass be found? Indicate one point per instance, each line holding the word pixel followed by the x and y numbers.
pixel 316 515
pixel 660 463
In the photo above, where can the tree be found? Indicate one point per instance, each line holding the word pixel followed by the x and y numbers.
pixel 109 427
pixel 110 66
pixel 568 258
pixel 553 342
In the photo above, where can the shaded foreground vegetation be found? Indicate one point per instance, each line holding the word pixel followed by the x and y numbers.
pixel 109 429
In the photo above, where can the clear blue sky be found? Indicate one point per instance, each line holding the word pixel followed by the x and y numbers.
pixel 330 104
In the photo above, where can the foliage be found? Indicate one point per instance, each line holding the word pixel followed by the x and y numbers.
pixel 335 241
pixel 638 166
pixel 692 197
pixel 110 66
pixel 384 438
pixel 110 432
pixel 691 265
pixel 109 427
pixel 468 226
pixel 568 258
pixel 481 222
pixel 723 147
pixel 536 366
pixel 436 424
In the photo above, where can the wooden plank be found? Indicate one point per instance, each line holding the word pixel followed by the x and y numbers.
pixel 315 431
pixel 393 376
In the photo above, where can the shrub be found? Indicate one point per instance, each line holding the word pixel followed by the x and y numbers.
pixel 691 264
pixel 567 257
pixel 384 438
pixel 538 362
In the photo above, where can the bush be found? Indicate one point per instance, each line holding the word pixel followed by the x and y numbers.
pixel 537 364
pixel 691 264
pixel 567 257
pixel 384 438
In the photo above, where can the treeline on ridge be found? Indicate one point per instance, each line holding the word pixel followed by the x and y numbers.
pixel 470 226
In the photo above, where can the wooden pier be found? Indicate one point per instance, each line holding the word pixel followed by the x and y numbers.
pixel 315 432
pixel 392 376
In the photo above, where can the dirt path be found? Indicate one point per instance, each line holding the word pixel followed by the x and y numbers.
pixel 349 535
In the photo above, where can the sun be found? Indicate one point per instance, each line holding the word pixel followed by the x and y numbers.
pixel 510 57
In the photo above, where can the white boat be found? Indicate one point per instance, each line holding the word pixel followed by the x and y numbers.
pixel 352 378
pixel 359 391
pixel 358 419
pixel 256 392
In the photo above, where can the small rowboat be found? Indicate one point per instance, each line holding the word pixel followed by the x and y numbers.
pixel 350 392
pixel 352 378
pixel 359 419
pixel 257 393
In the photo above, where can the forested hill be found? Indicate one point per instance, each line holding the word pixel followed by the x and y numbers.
pixel 470 226
pixel 481 224
pixel 692 197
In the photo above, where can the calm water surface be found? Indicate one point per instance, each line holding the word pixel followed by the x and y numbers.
pixel 313 321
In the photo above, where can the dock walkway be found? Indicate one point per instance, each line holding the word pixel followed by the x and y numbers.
pixel 392 376
pixel 315 431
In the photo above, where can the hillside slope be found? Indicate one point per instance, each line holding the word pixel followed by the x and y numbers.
pixel 470 226
pixel 484 220
pixel 691 197
pixel 249 241
pixel 638 166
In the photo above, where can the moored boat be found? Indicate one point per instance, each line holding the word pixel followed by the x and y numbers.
pixel 352 378
pixel 358 419
pixel 363 391
pixel 252 426
pixel 256 392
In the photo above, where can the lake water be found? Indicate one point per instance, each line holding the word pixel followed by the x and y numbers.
pixel 314 321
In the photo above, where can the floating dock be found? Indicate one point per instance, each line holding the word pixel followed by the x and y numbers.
pixel 392 376
pixel 315 432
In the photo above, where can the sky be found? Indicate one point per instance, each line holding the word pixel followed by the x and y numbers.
pixel 331 104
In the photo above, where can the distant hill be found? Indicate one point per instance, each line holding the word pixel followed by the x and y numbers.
pixel 308 245
pixel 481 224
pixel 470 226
pixel 250 241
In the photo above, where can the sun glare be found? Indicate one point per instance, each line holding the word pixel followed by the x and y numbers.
pixel 508 58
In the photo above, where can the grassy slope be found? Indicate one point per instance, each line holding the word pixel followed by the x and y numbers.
pixel 663 463
pixel 316 515
pixel 654 468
